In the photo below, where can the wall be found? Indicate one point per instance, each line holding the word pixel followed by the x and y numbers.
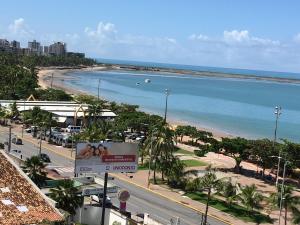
pixel 91 214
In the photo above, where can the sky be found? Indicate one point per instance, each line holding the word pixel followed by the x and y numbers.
pixel 249 34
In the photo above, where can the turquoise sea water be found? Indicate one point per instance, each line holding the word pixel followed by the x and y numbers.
pixel 236 106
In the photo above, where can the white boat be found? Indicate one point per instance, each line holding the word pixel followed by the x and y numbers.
pixel 147 80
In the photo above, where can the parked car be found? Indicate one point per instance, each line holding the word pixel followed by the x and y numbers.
pixel 67 141
pixel 73 129
pixel 15 151
pixel 45 158
pixel 99 199
pixel 28 130
pixel 16 140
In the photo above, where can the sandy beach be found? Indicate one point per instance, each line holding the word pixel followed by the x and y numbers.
pixel 59 75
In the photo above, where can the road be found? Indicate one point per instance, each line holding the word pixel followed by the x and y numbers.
pixel 141 200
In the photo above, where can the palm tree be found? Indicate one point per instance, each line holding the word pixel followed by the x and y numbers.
pixel 161 146
pixel 35 170
pixel 290 202
pixel 249 197
pixel 67 196
pixel 208 183
pixel 228 191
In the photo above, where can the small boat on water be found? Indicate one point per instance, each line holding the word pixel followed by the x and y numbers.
pixel 147 80
pixel 137 83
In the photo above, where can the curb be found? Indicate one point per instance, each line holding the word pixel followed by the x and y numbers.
pixel 178 202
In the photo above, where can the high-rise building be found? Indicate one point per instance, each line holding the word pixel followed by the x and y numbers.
pixel 58 48
pixel 35 47
pixel 15 44
pixel 46 50
pixel 4 45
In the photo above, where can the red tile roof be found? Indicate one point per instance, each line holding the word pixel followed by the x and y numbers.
pixel 22 192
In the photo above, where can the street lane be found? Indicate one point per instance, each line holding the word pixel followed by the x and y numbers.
pixel 141 200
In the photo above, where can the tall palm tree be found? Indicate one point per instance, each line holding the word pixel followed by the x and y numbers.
pixel 290 202
pixel 161 146
pixel 208 183
pixel 35 170
pixel 250 197
pixel 67 196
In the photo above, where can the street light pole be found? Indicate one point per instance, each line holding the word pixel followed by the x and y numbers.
pixel 277 113
pixel 149 169
pixel 282 190
pixel 167 92
pixel 98 89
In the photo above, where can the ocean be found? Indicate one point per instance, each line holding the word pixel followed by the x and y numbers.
pixel 240 107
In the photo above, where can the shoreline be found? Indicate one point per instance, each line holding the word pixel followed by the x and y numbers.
pixel 44 80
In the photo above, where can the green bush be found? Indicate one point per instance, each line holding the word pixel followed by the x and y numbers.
pixel 199 152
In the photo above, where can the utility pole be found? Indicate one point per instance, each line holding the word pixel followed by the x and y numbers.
pixel 99 89
pixel 40 148
pixel 23 118
pixel 104 198
pixel 277 114
pixel 282 190
pixel 9 139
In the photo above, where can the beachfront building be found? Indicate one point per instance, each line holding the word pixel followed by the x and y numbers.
pixel 15 44
pixel 58 49
pixel 35 47
pixel 46 50
pixel 66 113
pixel 4 45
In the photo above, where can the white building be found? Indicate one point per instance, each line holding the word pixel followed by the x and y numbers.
pixel 58 49
pixel 69 113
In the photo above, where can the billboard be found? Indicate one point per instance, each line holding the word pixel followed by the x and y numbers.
pixel 106 157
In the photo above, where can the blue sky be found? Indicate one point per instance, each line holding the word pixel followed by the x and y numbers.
pixel 251 34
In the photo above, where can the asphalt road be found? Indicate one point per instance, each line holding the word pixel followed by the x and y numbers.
pixel 141 200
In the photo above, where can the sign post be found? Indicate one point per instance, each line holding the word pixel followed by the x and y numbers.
pixel 104 199
pixel 106 157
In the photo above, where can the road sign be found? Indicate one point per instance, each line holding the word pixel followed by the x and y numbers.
pixel 98 191
pixel 123 195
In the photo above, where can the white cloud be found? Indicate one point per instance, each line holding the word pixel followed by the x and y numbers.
pixel 236 36
pixel 103 31
pixel 297 38
pixel 20 29
pixel 200 37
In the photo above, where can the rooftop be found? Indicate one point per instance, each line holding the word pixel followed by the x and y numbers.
pixel 21 202
pixel 59 108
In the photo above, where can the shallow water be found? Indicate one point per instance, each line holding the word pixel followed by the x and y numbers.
pixel 236 106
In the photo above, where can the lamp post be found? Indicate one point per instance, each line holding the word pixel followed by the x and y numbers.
pixel 167 92
pixel 151 150
pixel 282 190
pixel 99 89
pixel 277 114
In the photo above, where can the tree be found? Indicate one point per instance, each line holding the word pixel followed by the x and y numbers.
pixel 51 94
pixel 262 150
pixel 67 196
pixel 35 170
pixel 228 191
pixel 237 148
pixel 208 183
pixel 161 145
pixel 290 202
pixel 250 197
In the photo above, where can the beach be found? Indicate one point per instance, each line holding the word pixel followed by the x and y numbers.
pixel 61 74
